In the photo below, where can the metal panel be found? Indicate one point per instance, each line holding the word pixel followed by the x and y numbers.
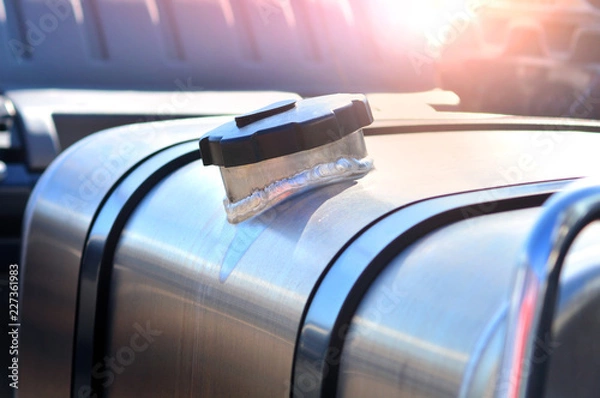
pixel 434 321
pixel 205 283
pixel 428 313
pixel 69 195
pixel 337 295
pixel 42 112
pixel 296 45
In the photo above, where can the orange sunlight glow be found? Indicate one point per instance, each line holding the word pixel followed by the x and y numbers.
pixel 2 12
pixel 437 23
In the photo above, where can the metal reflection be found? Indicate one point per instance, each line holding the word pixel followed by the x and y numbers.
pixel 524 366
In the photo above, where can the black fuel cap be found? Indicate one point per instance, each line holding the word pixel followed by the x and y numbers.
pixel 284 128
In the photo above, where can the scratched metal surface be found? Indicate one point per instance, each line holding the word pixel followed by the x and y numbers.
pixel 228 299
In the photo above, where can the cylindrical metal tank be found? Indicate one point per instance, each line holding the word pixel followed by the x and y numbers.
pixel 406 282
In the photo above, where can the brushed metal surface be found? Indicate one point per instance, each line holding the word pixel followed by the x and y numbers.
pixel 419 325
pixel 434 322
pixel 2 171
pixel 575 356
pixel 571 349
pixel 57 219
pixel 336 297
pixel 535 287
pixel 96 264
pixel 227 300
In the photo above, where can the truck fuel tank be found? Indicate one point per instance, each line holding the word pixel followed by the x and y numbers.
pixel 296 251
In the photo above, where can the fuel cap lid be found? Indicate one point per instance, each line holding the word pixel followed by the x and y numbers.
pixel 285 128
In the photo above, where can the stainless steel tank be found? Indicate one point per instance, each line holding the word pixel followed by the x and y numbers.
pixel 435 273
